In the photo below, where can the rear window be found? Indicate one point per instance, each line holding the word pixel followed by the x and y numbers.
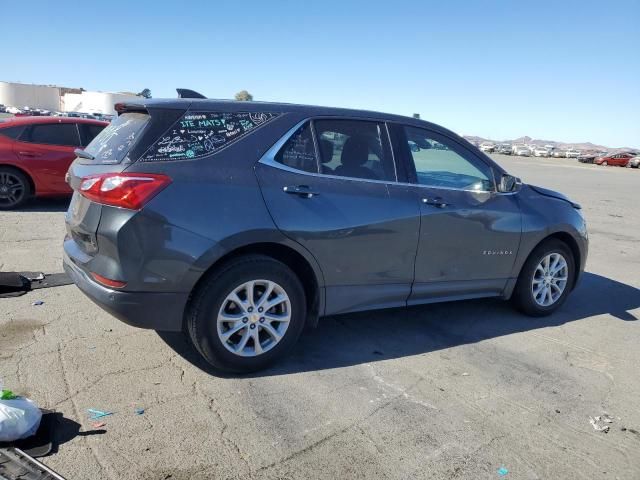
pixel 198 134
pixel 113 143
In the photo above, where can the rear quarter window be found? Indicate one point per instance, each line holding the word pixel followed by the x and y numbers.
pixel 198 134
pixel 12 132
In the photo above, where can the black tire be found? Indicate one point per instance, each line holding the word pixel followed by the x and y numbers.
pixel 18 188
pixel 523 298
pixel 201 319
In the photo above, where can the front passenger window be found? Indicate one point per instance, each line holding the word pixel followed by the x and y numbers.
pixel 439 163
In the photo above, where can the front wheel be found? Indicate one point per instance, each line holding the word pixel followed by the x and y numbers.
pixel 247 314
pixel 545 279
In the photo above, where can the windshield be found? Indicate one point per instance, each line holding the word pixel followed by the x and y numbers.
pixel 114 142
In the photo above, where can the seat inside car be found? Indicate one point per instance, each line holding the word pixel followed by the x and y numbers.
pixel 326 155
pixel 355 154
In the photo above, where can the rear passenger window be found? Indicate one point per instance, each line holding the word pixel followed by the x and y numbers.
pixel 299 151
pixel 64 134
pixel 354 148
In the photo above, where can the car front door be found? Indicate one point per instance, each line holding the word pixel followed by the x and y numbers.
pixel 469 233
pixel 48 150
pixel 330 185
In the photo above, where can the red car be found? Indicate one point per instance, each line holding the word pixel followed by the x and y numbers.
pixel 35 154
pixel 619 159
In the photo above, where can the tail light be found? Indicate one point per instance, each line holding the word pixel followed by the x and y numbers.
pixel 125 190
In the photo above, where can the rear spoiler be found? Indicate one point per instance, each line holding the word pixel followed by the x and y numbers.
pixel 186 93
pixel 121 108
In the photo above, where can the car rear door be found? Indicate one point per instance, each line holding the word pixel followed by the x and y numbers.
pixel 348 210
pixel 48 150
pixel 469 233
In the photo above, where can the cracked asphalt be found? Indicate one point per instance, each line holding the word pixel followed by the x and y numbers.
pixel 442 391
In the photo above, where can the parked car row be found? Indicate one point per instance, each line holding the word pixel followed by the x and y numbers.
pixel 27 111
pixel 624 159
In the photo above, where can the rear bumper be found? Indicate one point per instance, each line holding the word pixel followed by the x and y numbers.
pixel 157 311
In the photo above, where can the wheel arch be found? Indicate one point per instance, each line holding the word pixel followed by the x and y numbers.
pixel 304 267
pixel 567 239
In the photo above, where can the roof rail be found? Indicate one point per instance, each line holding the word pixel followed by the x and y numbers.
pixel 186 93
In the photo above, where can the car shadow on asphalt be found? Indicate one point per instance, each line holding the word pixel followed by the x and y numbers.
pixel 364 337
pixel 46 205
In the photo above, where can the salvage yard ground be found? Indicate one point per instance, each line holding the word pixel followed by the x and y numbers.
pixel 444 391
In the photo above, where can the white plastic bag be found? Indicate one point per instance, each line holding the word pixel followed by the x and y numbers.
pixel 19 418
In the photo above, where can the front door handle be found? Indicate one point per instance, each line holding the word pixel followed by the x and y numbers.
pixel 301 190
pixel 435 201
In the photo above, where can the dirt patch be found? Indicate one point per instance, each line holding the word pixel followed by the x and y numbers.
pixel 15 334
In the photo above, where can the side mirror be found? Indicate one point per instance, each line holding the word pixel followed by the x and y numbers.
pixel 509 183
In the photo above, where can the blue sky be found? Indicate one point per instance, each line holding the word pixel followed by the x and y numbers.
pixel 559 70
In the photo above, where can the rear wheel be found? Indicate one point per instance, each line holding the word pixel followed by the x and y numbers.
pixel 545 280
pixel 604 164
pixel 15 189
pixel 247 314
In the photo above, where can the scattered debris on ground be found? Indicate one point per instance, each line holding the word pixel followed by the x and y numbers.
pixel 96 414
pixel 601 423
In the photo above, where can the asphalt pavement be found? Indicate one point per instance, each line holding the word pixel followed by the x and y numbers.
pixel 457 390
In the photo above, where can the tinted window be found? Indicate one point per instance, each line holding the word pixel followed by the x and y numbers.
pixel 65 134
pixel 299 151
pixel 198 134
pixel 12 132
pixel 352 148
pixel 88 132
pixel 113 143
pixel 440 163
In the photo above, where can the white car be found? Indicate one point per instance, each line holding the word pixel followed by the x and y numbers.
pixel 572 154
pixel 634 162
pixel 13 110
pixel 541 152
pixel 522 151
pixel 487 147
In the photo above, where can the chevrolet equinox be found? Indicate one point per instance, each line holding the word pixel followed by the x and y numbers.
pixel 241 222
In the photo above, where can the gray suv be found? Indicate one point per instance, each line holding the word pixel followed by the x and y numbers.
pixel 241 222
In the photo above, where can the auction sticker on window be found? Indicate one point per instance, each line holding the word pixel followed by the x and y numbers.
pixel 198 134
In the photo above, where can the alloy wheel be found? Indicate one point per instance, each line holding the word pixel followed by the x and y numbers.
pixel 254 317
pixel 550 279
pixel 12 189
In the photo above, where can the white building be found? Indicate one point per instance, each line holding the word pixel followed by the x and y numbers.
pixel 62 99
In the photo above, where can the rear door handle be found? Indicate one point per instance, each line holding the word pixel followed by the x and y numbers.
pixel 30 154
pixel 435 201
pixel 300 190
